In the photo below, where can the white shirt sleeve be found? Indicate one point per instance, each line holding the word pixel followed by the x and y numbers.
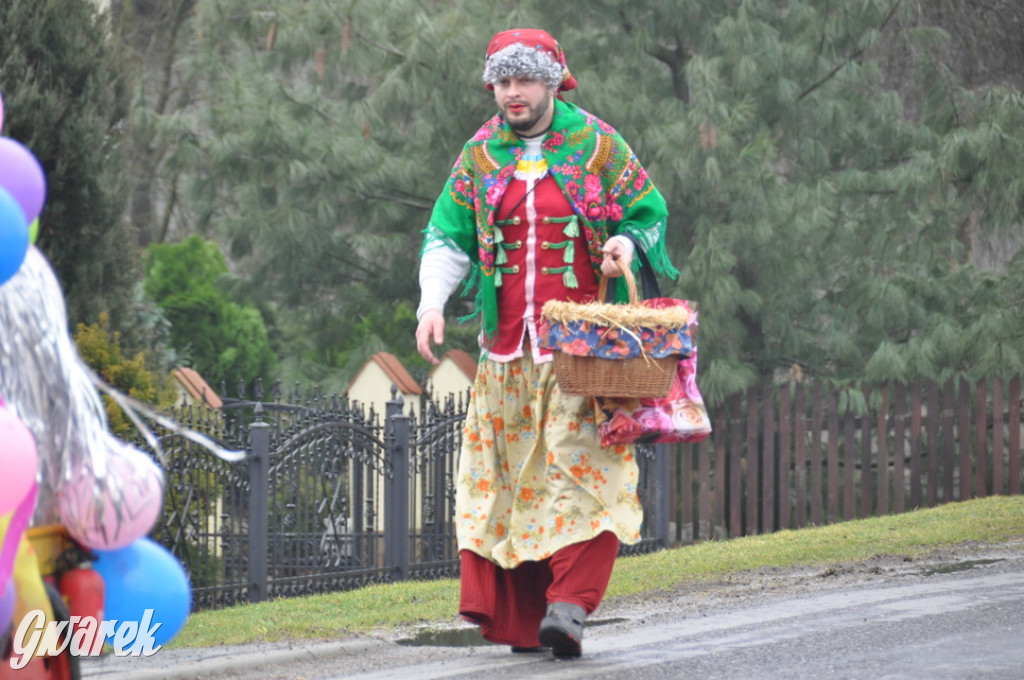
pixel 441 269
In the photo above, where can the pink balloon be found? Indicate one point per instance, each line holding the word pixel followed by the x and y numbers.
pixel 19 460
pixel 112 512
pixel 22 176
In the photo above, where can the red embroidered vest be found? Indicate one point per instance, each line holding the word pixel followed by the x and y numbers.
pixel 541 255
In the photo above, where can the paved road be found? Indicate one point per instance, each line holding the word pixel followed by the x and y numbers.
pixel 958 616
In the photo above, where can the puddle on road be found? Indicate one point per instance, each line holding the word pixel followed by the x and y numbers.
pixel 469 637
pixel 457 637
pixel 961 566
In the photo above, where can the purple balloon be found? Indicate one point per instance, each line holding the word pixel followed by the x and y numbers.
pixel 13 236
pixel 23 178
pixel 6 604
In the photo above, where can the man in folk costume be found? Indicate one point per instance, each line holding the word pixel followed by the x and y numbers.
pixel 543 199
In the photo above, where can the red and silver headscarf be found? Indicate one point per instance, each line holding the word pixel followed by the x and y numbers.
pixel 527 53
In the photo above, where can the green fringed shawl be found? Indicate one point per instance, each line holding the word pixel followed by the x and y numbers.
pixel 597 171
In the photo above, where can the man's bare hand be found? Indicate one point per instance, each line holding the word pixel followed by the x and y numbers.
pixel 616 258
pixel 430 329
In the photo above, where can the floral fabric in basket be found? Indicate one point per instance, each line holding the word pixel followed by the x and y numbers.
pixel 679 417
pixel 588 338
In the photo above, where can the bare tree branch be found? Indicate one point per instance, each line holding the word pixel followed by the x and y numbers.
pixel 852 57
pixel 419 205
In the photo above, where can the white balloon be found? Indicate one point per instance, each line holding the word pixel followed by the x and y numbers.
pixel 115 510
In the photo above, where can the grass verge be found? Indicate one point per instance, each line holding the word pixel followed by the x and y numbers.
pixel 335 615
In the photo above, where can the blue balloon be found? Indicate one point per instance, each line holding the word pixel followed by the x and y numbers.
pixel 13 236
pixel 145 575
pixel 6 604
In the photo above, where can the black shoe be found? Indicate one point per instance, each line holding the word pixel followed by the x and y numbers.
pixel 562 629
pixel 529 650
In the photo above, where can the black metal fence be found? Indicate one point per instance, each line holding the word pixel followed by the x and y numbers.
pixel 329 497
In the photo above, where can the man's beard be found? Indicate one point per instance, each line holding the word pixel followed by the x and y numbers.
pixel 528 123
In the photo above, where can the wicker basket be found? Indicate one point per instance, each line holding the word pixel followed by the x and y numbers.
pixel 638 377
pixel 634 377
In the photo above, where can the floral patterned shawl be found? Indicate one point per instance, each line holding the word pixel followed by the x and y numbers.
pixel 597 171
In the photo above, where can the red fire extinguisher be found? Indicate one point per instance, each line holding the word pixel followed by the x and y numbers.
pixel 83 590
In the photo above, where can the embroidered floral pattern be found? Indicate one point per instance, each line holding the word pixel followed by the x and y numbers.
pixel 584 338
pixel 482 172
pixel 587 338
pixel 580 150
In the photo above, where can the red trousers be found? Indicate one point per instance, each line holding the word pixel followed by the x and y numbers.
pixel 508 604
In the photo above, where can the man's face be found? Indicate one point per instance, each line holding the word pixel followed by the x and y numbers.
pixel 525 103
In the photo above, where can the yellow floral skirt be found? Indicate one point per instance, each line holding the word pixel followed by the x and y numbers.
pixel 532 475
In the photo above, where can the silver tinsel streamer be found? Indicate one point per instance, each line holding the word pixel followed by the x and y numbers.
pixel 45 382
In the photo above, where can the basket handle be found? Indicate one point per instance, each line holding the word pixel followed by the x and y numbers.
pixel 630 284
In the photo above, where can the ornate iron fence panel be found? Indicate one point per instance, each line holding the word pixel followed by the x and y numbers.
pixel 206 506
pixel 435 446
pixel 325 491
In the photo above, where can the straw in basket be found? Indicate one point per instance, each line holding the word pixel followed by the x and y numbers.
pixel 622 351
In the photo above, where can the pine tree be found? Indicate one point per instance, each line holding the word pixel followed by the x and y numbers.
pixel 831 182
pixel 823 227
pixel 153 37
pixel 318 157
pixel 65 99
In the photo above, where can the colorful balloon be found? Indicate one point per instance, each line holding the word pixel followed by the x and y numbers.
pixel 6 604
pixel 13 236
pixel 23 178
pixel 141 576
pixel 33 231
pixel 18 460
pixel 117 507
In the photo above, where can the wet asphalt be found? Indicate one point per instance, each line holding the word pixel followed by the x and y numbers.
pixel 958 615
